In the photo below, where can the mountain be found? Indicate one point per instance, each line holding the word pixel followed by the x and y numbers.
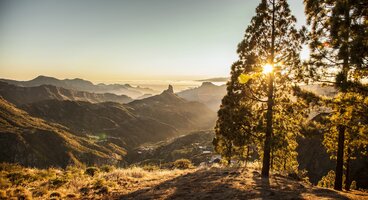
pixel 180 113
pixel 23 95
pixel 108 119
pixel 83 85
pixel 148 120
pixel 208 94
pixel 218 79
pixel 34 142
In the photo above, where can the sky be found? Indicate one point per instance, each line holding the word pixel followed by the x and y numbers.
pixel 115 40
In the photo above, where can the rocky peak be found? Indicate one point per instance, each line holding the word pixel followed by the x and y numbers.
pixel 207 84
pixel 169 90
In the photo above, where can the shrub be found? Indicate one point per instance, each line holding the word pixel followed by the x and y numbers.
pixel 91 171
pixel 58 181
pixel 103 190
pixel 39 192
pixel 353 185
pixel 71 196
pixel 328 181
pixel 107 168
pixel 183 164
pixel 55 195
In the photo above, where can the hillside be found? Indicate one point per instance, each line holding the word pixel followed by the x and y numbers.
pixel 33 142
pixel 149 120
pixel 111 120
pixel 171 109
pixel 208 94
pixel 23 95
pixel 196 146
pixel 83 85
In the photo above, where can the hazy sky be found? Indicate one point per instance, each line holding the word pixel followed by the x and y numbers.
pixel 110 40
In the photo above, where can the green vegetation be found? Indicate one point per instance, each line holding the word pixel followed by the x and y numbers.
pixel 266 108
pixel 258 110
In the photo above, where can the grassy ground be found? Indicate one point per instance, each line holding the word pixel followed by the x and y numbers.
pixel 152 183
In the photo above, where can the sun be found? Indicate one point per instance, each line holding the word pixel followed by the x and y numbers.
pixel 267 69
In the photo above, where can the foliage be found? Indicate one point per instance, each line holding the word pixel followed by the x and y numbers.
pixel 92 171
pixel 258 109
pixel 339 57
pixel 182 164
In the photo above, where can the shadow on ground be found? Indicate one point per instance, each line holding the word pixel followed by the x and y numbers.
pixel 231 184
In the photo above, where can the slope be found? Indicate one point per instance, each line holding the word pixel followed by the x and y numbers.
pixel 33 142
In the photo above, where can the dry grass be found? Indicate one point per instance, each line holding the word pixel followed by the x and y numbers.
pixel 211 182
pixel 74 182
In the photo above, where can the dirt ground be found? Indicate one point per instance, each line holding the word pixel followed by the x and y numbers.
pixel 217 183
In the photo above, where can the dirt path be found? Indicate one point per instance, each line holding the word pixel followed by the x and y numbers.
pixel 233 184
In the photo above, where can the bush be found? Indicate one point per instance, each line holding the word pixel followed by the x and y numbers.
pixel 183 164
pixel 71 196
pixel 39 192
pixel 91 171
pixel 328 181
pixel 107 168
pixel 55 195
pixel 58 181
pixel 353 185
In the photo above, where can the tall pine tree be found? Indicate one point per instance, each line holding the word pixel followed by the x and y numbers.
pixel 339 56
pixel 270 63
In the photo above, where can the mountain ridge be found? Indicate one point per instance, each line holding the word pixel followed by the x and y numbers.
pixel 23 95
pixel 83 85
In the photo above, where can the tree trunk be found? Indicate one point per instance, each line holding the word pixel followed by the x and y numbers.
pixel 272 157
pixel 269 115
pixel 341 128
pixel 347 172
pixel 340 158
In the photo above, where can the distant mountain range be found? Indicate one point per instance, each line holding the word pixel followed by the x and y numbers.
pixel 218 79
pixel 208 94
pixel 23 95
pixel 34 142
pixel 83 85
pixel 105 131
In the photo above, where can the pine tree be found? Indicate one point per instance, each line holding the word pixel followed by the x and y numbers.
pixel 270 64
pixel 273 41
pixel 339 56
pixel 232 127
